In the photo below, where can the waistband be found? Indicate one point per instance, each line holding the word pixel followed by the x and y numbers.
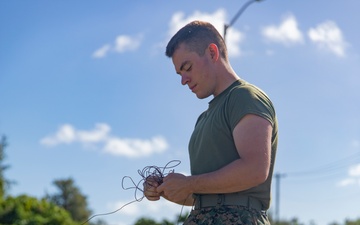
pixel 230 199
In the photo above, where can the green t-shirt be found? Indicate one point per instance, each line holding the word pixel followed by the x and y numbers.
pixel 212 146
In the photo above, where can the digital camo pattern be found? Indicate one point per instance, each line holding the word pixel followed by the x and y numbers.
pixel 227 215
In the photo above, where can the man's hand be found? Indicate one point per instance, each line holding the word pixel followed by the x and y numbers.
pixel 175 188
pixel 150 185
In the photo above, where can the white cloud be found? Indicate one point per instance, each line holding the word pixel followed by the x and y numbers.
pixel 65 134
pixel 145 208
pixel 135 147
pixel 347 182
pixel 102 52
pixel 286 33
pixel 328 36
pixel 123 43
pixel 353 176
pixel 127 147
pixel 354 171
pixel 233 38
pixel 98 134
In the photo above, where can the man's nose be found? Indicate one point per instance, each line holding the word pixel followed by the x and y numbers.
pixel 184 79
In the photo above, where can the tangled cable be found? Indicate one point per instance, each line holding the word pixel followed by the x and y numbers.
pixel 156 174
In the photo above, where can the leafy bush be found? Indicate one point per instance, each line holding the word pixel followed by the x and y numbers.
pixel 25 210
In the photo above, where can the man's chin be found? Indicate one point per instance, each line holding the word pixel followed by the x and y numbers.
pixel 200 96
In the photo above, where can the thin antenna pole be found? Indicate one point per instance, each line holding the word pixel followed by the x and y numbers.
pixel 278 176
pixel 242 9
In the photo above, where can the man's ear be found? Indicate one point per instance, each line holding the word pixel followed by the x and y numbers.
pixel 214 51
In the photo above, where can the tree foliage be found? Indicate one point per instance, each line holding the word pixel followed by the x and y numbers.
pixel 355 222
pixel 25 210
pixel 71 199
pixel 147 221
pixel 69 206
pixel 4 183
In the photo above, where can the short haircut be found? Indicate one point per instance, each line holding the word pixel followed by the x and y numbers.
pixel 197 36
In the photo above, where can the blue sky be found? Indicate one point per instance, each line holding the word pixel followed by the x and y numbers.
pixel 87 93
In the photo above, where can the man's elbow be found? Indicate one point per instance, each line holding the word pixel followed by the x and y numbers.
pixel 261 176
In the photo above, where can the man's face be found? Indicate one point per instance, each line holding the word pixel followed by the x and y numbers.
pixel 195 71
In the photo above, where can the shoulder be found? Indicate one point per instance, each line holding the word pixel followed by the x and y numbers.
pixel 247 98
pixel 245 92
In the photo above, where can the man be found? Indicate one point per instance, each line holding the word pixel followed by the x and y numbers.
pixel 233 146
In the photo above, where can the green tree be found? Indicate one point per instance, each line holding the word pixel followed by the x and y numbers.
pixel 350 222
pixel 25 210
pixel 4 183
pixel 146 221
pixel 293 221
pixel 98 222
pixel 71 199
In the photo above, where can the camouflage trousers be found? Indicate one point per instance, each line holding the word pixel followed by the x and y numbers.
pixel 227 215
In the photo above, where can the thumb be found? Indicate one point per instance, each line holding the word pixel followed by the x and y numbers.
pixel 160 189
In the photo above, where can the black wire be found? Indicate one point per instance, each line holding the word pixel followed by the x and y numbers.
pixel 156 173
pixel 323 172
pixel 327 168
pixel 105 214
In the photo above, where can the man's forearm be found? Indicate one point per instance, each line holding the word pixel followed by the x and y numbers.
pixel 237 176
